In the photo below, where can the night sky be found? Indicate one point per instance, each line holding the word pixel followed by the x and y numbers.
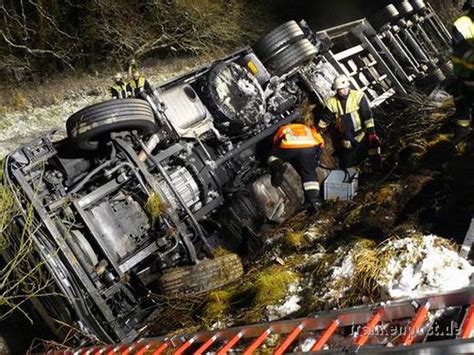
pixel 327 13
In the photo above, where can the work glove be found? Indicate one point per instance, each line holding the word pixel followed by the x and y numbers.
pixel 374 141
pixel 322 126
pixel 374 153
pixel 277 169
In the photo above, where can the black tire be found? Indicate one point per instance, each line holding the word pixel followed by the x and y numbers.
pixel 208 275
pixel 418 5
pixel 298 54
pixel 389 14
pixel 87 126
pixel 282 36
pixel 405 9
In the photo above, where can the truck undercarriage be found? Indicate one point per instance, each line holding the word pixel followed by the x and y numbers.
pixel 143 191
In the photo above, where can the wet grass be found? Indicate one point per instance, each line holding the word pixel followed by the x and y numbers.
pixel 265 287
pixel 295 240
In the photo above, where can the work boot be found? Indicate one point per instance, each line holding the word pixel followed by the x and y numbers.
pixel 277 169
pixel 313 208
pixel 312 203
pixel 375 163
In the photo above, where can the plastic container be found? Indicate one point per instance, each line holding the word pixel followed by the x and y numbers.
pixel 341 185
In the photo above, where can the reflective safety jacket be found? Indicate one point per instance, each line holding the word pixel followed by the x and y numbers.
pixel 463 48
pixel 119 91
pixel 294 136
pixel 352 115
pixel 136 86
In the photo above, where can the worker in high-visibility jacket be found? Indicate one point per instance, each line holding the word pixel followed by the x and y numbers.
pixel 300 145
pixel 119 89
pixel 462 58
pixel 350 111
pixel 138 84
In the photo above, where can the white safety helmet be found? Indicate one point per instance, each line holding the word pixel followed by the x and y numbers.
pixel 118 77
pixel 341 82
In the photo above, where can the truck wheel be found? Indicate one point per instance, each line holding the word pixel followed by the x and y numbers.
pixel 282 36
pixel 87 126
pixel 418 5
pixel 405 9
pixel 387 15
pixel 299 53
pixel 208 275
pixel 235 98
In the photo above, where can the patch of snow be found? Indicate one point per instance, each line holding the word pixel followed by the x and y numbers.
pixel 305 345
pixel 17 128
pixel 271 240
pixel 346 270
pixel 312 233
pixel 420 268
pixel 22 127
pixel 340 279
pixel 227 322
pixel 217 325
pixel 314 258
pixel 290 304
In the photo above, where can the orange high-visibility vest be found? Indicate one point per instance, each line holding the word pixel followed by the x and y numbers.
pixel 294 136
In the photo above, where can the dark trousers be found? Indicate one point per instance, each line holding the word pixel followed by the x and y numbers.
pixel 349 158
pixel 305 161
pixel 464 99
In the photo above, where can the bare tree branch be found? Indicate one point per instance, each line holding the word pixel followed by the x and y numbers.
pixel 24 18
pixel 37 51
pixel 51 20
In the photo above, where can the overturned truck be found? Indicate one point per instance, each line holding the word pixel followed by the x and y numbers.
pixel 142 192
